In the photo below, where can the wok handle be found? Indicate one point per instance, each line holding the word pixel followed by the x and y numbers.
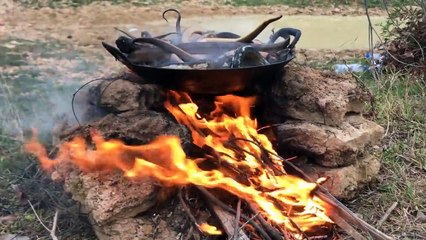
pixel 286 33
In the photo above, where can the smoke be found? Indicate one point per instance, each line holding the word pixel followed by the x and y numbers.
pixel 37 85
pixel 43 108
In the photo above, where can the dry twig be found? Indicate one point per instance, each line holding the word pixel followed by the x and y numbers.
pixel 55 222
pixel 273 232
pixel 388 212
pixel 211 199
pixel 227 220
pixel 186 209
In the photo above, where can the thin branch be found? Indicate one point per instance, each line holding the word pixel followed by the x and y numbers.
pixel 190 233
pixel 388 212
pixel 55 220
pixel 219 203
pixel 227 220
pixel 38 218
pixel 186 209
pixel 249 220
pixel 273 232
pixel 298 228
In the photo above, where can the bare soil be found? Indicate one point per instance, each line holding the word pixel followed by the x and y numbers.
pixel 87 25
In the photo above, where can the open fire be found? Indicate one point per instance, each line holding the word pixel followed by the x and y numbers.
pixel 237 159
pixel 231 164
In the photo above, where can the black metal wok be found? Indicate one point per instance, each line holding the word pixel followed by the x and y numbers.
pixel 206 81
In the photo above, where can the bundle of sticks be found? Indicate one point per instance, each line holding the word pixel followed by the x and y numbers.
pixel 244 146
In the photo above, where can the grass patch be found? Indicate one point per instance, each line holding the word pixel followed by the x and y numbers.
pixel 29 91
pixel 400 108
pixel 401 111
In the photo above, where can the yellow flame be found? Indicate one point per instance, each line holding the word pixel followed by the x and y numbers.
pixel 209 229
pixel 285 200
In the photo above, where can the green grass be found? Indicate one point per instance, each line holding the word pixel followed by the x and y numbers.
pixel 29 91
pixel 400 108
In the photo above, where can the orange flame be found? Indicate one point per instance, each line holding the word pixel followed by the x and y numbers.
pixel 283 199
pixel 209 229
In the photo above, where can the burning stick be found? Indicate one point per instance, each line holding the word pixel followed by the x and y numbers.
pixel 211 198
pixel 275 235
pixel 340 211
pixel 227 222
pixel 237 220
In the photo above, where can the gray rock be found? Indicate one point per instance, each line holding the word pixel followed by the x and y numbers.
pixel 330 146
pixel 134 127
pixel 119 95
pixel 166 221
pixel 345 181
pixel 314 96
pixel 108 197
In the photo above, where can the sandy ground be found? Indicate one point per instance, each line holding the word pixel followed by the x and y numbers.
pixel 88 25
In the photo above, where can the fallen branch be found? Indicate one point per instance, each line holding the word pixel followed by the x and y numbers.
pixel 346 227
pixel 340 214
pixel 299 229
pixel 190 233
pixel 340 210
pixel 249 220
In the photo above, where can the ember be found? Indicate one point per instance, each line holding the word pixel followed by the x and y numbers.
pixel 285 200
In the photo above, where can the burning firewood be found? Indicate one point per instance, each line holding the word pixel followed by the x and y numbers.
pixel 200 154
pixel 284 202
